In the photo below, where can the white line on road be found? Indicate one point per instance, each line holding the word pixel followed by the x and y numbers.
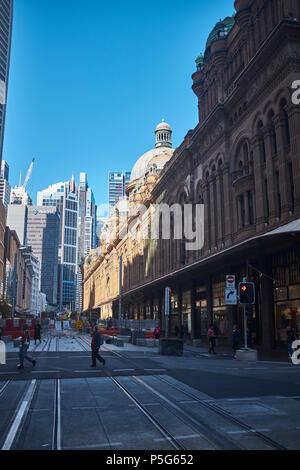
pixel 9 373
pixel 123 370
pixel 188 401
pixel 155 370
pixel 58 417
pixel 192 436
pixel 93 446
pixel 250 430
pixel 20 415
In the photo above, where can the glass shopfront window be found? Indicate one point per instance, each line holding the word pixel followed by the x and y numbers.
pixel 220 310
pixel 174 314
pixel 201 312
pixel 187 310
pixel 148 310
pixel 155 309
pixel 286 273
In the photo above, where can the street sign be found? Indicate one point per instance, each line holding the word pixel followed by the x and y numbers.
pixel 230 281
pixel 231 297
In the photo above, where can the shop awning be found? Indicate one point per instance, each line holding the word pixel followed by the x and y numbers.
pixel 291 227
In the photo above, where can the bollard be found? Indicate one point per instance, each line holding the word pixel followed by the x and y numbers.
pixel 2 353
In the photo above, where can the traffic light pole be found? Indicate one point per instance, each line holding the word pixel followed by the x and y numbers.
pixel 245 328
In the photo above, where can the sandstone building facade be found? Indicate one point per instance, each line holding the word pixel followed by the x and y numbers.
pixel 242 162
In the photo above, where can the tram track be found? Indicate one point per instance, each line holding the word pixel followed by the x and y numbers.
pixel 132 387
pixel 208 405
pixel 193 424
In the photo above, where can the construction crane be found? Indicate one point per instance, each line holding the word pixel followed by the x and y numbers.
pixel 28 175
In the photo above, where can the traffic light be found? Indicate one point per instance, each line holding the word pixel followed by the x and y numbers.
pixel 247 292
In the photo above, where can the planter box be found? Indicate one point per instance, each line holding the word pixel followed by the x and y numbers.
pixel 124 338
pixel 246 355
pixel 141 342
pixel 138 335
pixel 170 347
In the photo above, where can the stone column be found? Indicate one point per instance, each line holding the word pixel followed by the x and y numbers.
pixel 282 167
pixel 267 327
pixel 228 205
pixel 259 200
pixel 239 214
pixel 220 208
pixel 193 312
pixel 270 176
pixel 207 244
pixel 247 214
pixel 212 214
pixel 294 121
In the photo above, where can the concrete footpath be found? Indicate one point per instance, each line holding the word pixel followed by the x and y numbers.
pixel 188 350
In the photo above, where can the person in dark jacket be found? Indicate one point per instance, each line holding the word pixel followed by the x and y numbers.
pixel 96 343
pixel 291 337
pixel 211 340
pixel 235 339
pixel 25 342
pixel 37 333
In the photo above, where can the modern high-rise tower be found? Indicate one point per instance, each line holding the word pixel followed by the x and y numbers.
pixel 42 237
pixel 65 197
pixel 5 188
pixel 117 183
pixel 87 218
pixel 87 223
pixel 6 17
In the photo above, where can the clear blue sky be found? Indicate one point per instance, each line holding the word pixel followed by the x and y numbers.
pixel 89 81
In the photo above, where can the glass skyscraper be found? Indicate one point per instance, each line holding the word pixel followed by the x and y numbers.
pixel 117 183
pixel 65 197
pixel 86 229
pixel 6 16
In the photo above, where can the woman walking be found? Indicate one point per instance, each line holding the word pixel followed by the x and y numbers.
pixel 235 339
pixel 212 340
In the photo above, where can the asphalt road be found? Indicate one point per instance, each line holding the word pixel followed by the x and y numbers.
pixel 143 401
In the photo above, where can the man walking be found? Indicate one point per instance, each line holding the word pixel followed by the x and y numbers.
pixel 97 340
pixel 235 339
pixel 37 333
pixel 25 342
pixel 211 340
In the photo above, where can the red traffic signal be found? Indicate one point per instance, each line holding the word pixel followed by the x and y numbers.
pixel 247 293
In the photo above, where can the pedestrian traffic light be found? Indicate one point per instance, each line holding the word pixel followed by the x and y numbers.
pixel 247 292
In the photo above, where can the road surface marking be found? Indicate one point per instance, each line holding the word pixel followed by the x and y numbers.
pixel 189 401
pixel 155 370
pixel 92 446
pixel 123 370
pixel 18 419
pixel 250 430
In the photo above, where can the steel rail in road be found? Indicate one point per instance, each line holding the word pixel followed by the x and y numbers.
pixel 217 410
pixel 56 435
pixel 165 433
pixel 2 390
pixel 20 416
pixel 175 443
pixel 228 416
